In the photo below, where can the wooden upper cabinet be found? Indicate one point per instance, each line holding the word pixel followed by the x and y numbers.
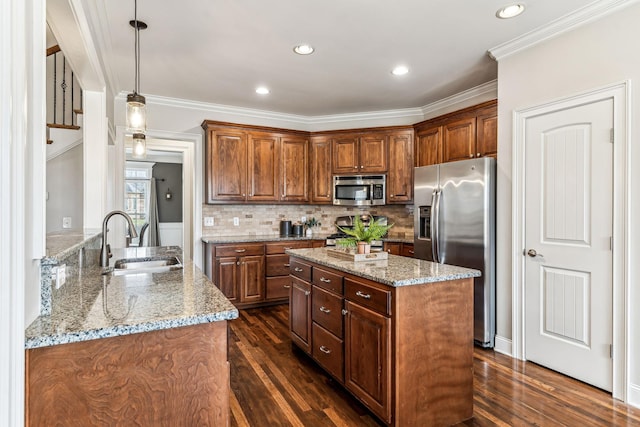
pixel 459 140
pixel 373 153
pixel 359 153
pixel 226 165
pixel 320 170
pixel 487 134
pixel 263 167
pixel 345 154
pixel 400 176
pixel 429 146
pixel 294 169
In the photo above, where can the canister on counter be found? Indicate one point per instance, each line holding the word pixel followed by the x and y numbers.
pixel 285 228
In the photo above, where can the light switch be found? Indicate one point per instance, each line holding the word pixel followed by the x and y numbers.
pixel 208 221
pixel 236 221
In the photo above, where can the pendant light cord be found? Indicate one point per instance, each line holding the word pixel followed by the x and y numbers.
pixel 137 47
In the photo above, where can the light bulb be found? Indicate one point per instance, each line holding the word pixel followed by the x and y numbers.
pixel 136 113
pixel 139 146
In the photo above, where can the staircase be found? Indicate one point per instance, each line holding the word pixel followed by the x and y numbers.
pixel 64 102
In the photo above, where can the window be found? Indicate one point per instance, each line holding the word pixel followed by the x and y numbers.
pixel 137 186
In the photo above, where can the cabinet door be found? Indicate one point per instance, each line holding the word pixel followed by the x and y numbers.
pixel 459 140
pixel 429 146
pixel 394 248
pixel 400 176
pixel 294 167
pixel 226 277
pixel 252 278
pixel 407 250
pixel 368 358
pixel 373 153
pixel 300 313
pixel 226 165
pixel 345 154
pixel 263 167
pixel 321 185
pixel 487 140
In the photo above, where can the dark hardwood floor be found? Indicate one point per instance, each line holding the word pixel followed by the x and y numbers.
pixel 275 384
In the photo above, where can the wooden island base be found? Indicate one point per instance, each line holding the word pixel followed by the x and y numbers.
pixel 176 376
pixel 405 352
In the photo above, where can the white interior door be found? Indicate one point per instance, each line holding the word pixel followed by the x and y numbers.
pixel 568 232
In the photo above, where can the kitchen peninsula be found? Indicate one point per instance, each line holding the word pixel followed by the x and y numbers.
pixel 396 333
pixel 142 348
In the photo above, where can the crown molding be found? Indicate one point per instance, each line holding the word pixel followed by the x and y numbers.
pixel 475 95
pixel 570 22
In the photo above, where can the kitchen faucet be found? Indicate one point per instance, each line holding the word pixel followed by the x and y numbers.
pixel 105 252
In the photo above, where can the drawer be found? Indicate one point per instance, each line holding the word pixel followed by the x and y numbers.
pixel 327 280
pixel 278 287
pixel 280 247
pixel 300 269
pixel 407 250
pixel 368 296
pixel 328 351
pixel 277 265
pixel 327 311
pixel 240 250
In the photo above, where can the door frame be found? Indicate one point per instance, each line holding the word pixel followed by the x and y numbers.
pixel 620 94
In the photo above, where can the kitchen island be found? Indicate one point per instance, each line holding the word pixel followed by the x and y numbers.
pixel 146 348
pixel 396 333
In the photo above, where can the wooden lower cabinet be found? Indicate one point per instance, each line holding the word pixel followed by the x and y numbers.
pixel 368 358
pixel 405 352
pixel 399 248
pixel 173 377
pixel 300 313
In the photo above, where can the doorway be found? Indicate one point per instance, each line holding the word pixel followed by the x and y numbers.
pixel 568 283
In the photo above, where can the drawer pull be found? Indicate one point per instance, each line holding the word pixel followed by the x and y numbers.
pixel 344 312
pixel 365 296
pixel 322 279
pixel 412 252
pixel 287 265
pixel 286 286
pixel 287 247
pixel 307 293
pixel 241 250
pixel 325 310
pixel 324 349
pixel 298 269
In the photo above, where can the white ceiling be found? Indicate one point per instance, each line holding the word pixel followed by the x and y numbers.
pixel 219 51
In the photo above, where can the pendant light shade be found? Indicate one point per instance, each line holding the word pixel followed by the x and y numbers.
pixel 136 113
pixel 139 146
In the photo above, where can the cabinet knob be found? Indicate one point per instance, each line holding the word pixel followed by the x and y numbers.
pixel 237 262
pixel 391 195
pixel 356 167
pixel 297 269
pixel 344 312
pixel 471 156
pixel 243 194
pixel 287 265
pixel 283 195
pixel 307 293
pixel 478 155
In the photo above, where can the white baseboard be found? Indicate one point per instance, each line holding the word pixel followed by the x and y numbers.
pixel 170 233
pixel 503 345
pixel 633 398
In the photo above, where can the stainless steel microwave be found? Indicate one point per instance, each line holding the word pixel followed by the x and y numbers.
pixel 359 190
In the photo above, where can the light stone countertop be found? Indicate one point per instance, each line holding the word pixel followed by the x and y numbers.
pixel 394 271
pixel 91 305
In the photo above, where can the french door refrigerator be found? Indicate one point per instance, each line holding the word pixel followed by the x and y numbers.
pixel 454 223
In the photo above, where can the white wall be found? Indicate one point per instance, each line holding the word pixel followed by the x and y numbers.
pixel 64 188
pixel 595 55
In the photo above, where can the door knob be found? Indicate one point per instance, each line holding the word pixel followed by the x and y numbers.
pixel 532 253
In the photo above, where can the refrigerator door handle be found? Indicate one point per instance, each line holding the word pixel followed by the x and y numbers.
pixel 435 220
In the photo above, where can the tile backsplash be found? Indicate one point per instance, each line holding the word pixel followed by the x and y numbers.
pixel 265 219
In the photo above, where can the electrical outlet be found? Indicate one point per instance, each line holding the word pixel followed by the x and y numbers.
pixel 66 222
pixel 208 221
pixel 236 221
pixel 303 219
pixel 61 275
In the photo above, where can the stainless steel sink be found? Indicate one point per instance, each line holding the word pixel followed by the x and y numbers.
pixel 157 264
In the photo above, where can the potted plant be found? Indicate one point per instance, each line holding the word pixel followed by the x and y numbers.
pixel 309 224
pixel 362 235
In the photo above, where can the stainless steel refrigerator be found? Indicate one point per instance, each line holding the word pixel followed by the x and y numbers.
pixel 454 223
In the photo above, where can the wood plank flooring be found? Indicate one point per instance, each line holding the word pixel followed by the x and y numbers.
pixel 275 384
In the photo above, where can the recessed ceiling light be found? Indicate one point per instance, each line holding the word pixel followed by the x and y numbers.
pixel 400 70
pixel 510 11
pixel 262 90
pixel 303 49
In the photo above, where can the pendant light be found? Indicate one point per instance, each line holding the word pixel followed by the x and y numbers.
pixel 136 103
pixel 139 146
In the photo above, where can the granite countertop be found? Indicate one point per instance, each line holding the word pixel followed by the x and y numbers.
pixel 259 238
pixel 61 243
pixel 91 305
pixel 394 271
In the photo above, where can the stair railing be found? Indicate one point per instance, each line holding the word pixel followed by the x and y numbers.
pixel 64 94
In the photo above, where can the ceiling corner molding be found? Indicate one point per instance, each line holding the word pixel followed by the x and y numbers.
pixel 453 102
pixel 413 113
pixel 585 15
